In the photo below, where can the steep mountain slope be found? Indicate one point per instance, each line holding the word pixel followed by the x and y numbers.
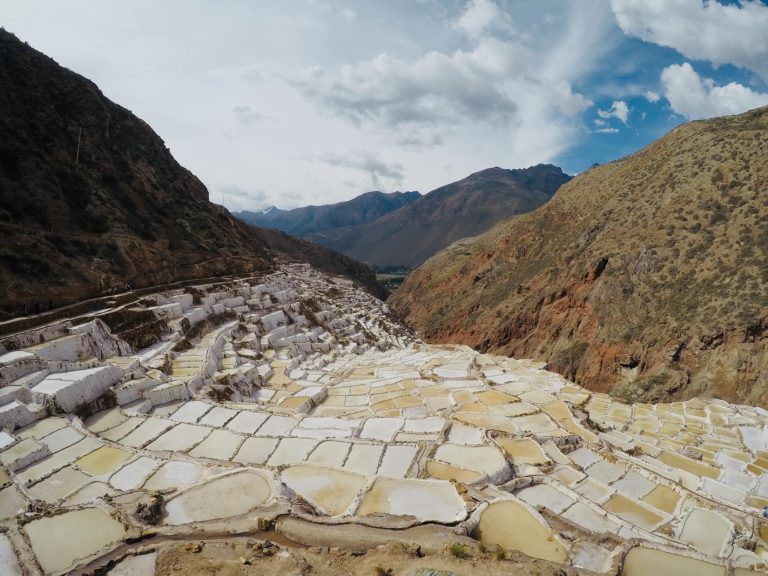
pixel 647 276
pixel 313 219
pixel 121 210
pixel 408 236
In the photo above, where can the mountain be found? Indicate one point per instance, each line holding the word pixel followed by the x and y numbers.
pixel 317 219
pixel 646 277
pixel 91 198
pixel 408 236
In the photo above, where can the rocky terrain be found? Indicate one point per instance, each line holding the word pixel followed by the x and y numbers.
pixel 310 220
pixel 645 277
pixel 81 221
pixel 406 237
pixel 289 424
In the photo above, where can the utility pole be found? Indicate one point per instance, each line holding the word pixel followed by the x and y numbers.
pixel 77 154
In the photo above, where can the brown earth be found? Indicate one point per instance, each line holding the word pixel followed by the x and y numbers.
pixel 225 558
pixel 121 210
pixel 646 277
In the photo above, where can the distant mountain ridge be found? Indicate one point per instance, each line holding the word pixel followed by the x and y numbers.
pixel 317 219
pixel 407 237
pixel 403 229
pixel 77 222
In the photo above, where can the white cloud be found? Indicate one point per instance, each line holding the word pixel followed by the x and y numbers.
pixel 480 16
pixel 652 96
pixel 722 34
pixel 608 130
pixel 618 110
pixel 695 97
pixel 378 170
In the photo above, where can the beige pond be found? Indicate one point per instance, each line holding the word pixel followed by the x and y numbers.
pixel 58 541
pixel 447 472
pixel 512 526
pixel 523 451
pixel 426 500
pixel 103 461
pixel 632 511
pixel 329 491
pixel 649 562
pixel 483 459
pixel 706 530
pixel 662 498
pixel 222 497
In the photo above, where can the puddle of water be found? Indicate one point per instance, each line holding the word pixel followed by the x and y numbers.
pixel 513 527
pixel 649 562
pixel 662 498
pixel 427 500
pixel 523 451
pixel 633 512
pixel 58 541
pixel 329 491
pixel 222 497
pixel 103 461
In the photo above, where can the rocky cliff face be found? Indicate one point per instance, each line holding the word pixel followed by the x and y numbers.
pixel 408 236
pixel 646 277
pixel 120 210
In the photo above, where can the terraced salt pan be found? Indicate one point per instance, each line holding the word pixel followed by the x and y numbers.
pixel 707 531
pixel 52 463
pixel 247 422
pixel 219 445
pixel 329 491
pixel 255 450
pixel 133 475
pixel 331 454
pixel 180 438
pixel 486 460
pixel 174 474
pixel 442 471
pixel 221 497
pixel 523 451
pixel 9 564
pixel 113 434
pixel 190 412
pixel 41 428
pixel 397 461
pixel 142 565
pixel 58 541
pixel 651 562
pixel 584 516
pixel 291 451
pixel 147 431
pixel 89 493
pixel 59 484
pixel 11 502
pixel 426 500
pixel 218 416
pixel 513 526
pixel 546 497
pixel 103 461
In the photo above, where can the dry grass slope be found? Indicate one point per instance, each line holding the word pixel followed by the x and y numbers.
pixel 646 276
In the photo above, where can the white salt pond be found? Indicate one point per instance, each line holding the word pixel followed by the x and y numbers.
pixel 650 562
pixel 329 491
pixel 58 541
pixel 221 497
pixel 426 500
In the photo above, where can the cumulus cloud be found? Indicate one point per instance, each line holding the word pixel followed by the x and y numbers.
pixel 517 84
pixel 378 170
pixel 695 97
pixel 480 16
pixel 722 34
pixel 608 130
pixel 652 96
pixel 618 110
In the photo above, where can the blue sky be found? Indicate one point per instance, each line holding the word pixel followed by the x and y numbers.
pixel 294 102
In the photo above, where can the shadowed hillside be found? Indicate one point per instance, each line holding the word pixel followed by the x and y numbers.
pixel 121 210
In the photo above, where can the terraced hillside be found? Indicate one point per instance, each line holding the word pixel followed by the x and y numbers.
pixel 646 277
pixel 289 424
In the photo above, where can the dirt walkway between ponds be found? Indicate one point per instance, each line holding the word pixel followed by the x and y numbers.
pixel 237 557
